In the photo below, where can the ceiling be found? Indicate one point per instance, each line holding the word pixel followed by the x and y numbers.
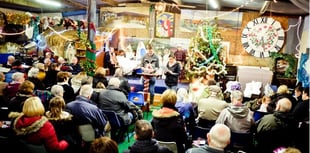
pixel 285 7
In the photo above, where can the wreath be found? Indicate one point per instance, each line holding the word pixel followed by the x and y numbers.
pixel 290 71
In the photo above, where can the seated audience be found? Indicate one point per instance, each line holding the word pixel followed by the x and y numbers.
pixel 85 111
pixel 276 130
pixel 25 91
pixel 3 85
pixel 34 128
pixel 42 73
pixel 33 77
pixel 51 75
pixel 62 122
pixel 264 104
pixel 124 85
pixel 103 145
pixel 185 108
pixel 114 99
pixel 57 90
pixel 63 80
pixel 217 139
pixel 16 67
pixel 167 122
pixel 99 76
pixel 144 142
pixel 10 61
pixel 76 81
pixel 210 108
pixel 12 88
pixel 237 116
pixel 282 92
pixel 75 65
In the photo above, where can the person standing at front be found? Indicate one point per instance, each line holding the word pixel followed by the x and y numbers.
pixel 150 64
pixel 172 73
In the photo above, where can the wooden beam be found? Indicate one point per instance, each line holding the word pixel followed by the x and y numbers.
pixel 75 4
pixel 110 2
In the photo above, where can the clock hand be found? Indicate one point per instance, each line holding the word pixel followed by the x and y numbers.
pixel 263 43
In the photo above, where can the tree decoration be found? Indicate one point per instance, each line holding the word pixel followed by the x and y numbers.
pixel 17 19
pixel 89 65
pixel 205 53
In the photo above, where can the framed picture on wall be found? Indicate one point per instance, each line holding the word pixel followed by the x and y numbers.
pixel 164 27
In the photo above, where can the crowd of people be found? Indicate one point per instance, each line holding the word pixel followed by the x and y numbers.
pixel 49 100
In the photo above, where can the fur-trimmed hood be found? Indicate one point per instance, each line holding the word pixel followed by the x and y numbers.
pixel 165 113
pixel 24 125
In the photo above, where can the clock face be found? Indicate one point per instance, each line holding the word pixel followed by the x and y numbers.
pixel 262 36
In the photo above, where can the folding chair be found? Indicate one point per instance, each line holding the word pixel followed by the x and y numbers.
pixel 241 141
pixel 170 145
pixel 200 132
pixel 25 147
pixel 116 126
pixel 257 115
pixel 137 98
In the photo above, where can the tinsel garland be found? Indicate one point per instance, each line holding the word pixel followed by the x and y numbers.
pixel 204 56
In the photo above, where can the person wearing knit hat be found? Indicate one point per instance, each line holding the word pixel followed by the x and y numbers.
pixel 210 108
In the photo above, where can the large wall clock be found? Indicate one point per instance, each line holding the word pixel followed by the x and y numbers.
pixel 262 36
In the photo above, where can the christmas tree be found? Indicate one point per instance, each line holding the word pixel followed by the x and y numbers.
pixel 205 54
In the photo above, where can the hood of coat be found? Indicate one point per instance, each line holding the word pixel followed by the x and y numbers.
pixel 144 146
pixel 238 111
pixel 165 113
pixel 24 125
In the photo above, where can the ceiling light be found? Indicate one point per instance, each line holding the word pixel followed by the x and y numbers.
pixel 214 4
pixel 49 2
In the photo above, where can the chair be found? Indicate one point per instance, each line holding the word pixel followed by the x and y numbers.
pixel 4 112
pixel 87 132
pixel 170 145
pixel 200 132
pixel 241 141
pixel 25 147
pixel 137 98
pixel 117 127
pixel 257 115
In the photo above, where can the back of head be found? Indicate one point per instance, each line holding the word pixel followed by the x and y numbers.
pixel 57 90
pixel 118 72
pixel 26 87
pixel 182 94
pixel 103 145
pixel 62 76
pixel 219 136
pixel 168 98
pixel 56 105
pixel 236 97
pixel 284 105
pixel 100 71
pixel 33 107
pixel 215 90
pixel 283 89
pixel 17 76
pixel 33 72
pixel 86 91
pixel 115 82
pixel 143 130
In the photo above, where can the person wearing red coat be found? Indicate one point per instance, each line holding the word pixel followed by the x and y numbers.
pixel 34 128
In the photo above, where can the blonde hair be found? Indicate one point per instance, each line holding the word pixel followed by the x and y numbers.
pixel 33 107
pixel 283 89
pixel 100 71
pixel 182 95
pixel 168 98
